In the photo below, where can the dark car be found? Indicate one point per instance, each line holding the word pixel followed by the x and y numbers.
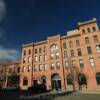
pixel 13 88
pixel 39 88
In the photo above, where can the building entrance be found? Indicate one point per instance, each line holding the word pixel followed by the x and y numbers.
pixel 56 81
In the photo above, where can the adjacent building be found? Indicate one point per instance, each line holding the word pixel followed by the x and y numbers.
pixel 9 74
pixel 64 61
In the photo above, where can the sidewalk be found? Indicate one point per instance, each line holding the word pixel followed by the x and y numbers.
pixel 90 91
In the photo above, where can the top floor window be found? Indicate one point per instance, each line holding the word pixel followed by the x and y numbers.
pixel 70 44
pixel 88 30
pixel 77 43
pixel 64 45
pixel 44 49
pixel 83 31
pixel 94 29
pixel 54 47
pixel 35 51
pixel 29 52
pixel 40 50
pixel 24 52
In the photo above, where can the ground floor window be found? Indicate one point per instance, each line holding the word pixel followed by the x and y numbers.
pixel 25 81
pixel 98 78
pixel 69 79
pixel 82 79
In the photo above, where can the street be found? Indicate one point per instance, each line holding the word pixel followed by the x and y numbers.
pixel 66 96
pixel 79 96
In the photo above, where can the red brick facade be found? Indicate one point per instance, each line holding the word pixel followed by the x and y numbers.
pixel 53 60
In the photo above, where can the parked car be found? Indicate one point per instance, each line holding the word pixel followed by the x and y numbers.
pixel 39 88
pixel 12 88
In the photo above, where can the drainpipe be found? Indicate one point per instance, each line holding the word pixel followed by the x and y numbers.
pixel 32 64
pixel 63 66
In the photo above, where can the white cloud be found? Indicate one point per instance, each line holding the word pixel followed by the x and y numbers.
pixel 2 10
pixel 7 54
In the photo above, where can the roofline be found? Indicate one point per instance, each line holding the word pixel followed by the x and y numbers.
pixel 87 22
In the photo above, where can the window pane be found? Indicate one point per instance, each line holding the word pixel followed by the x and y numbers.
pixel 65 54
pixel 79 52
pixel 77 43
pixel 89 50
pixel 95 38
pixel 86 40
pixel 98 48
pixel 64 45
pixel 72 53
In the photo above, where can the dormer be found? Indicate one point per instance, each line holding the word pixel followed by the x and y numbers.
pixel 88 26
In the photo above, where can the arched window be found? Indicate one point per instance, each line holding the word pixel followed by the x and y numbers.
pixel 69 79
pixel 54 47
pixel 82 79
pixel 94 29
pixel 98 78
pixel 83 31
pixel 88 30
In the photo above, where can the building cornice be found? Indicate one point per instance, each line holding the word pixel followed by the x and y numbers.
pixel 87 22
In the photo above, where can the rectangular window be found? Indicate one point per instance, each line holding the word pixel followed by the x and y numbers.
pixel 65 54
pixel 70 44
pixel 51 56
pixel 24 59
pixel 66 64
pixel 92 62
pixel 79 52
pixel 64 45
pixel 45 67
pixel 40 58
pixel 29 68
pixel 57 65
pixel 35 67
pixel 72 53
pixel 86 40
pixel 35 51
pixel 24 69
pixel 40 67
pixel 40 50
pixel 81 63
pixel 73 63
pixel 44 49
pixel 45 57
pixel 57 55
pixel 24 53
pixel 52 66
pixel 29 52
pixel 35 58
pixel 95 38
pixel 89 50
pixel 77 43
pixel 98 48
pixel 29 59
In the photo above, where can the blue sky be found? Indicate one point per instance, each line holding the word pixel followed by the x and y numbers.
pixel 24 21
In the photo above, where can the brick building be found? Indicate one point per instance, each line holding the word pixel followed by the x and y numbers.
pixel 9 74
pixel 64 61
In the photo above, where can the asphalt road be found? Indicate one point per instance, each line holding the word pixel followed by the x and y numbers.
pixel 70 96
pixel 79 96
